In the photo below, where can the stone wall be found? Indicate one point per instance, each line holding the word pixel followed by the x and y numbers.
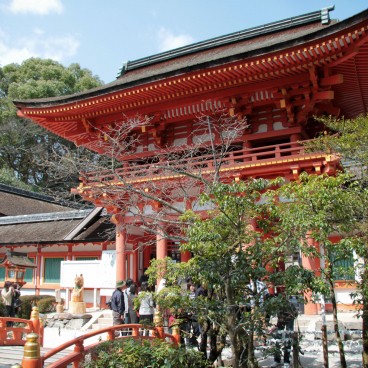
pixel 67 320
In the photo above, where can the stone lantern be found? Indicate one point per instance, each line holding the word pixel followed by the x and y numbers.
pixel 15 264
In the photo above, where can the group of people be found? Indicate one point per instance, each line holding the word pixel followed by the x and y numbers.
pixel 126 311
pixel 190 325
pixel 286 311
pixel 124 308
pixel 10 296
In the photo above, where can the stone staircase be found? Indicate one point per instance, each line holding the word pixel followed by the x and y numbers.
pixel 100 320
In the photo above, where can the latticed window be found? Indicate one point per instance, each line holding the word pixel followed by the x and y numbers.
pixel 28 276
pixel 343 269
pixel 52 270
pixel 2 273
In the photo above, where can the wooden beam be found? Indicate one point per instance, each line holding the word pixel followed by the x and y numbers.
pixel 332 80
pixel 324 95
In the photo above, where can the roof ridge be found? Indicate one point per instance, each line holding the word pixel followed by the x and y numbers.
pixel 45 217
pixel 34 195
pixel 316 16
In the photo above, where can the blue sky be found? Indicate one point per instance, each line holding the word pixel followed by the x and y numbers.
pixel 103 34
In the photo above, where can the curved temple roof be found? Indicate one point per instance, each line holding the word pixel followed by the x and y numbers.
pixel 323 61
pixel 217 51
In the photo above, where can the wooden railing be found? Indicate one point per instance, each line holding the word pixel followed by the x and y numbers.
pixel 133 172
pixel 33 359
pixel 13 330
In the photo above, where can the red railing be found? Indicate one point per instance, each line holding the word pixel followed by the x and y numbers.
pixel 13 330
pixel 33 360
pixel 135 172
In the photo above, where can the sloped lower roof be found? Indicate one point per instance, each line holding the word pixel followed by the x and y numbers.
pixel 14 202
pixel 54 228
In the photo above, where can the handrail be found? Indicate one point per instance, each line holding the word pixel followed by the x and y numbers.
pixel 15 336
pixel 80 349
pixel 131 171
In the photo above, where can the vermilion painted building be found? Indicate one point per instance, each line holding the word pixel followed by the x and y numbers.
pixel 277 76
pixel 50 232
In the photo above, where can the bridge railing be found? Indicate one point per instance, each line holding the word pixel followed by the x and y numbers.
pixel 13 330
pixel 33 359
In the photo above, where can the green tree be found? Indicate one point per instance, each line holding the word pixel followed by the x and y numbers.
pixel 24 146
pixel 231 250
pixel 349 139
pixel 323 210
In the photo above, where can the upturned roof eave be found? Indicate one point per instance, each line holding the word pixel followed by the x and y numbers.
pixel 121 84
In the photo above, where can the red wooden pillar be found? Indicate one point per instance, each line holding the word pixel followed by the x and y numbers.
pixel 161 248
pixel 311 263
pixel 185 256
pixel 120 255
pixel 38 270
pixel 161 242
pixel 135 262
pixel 121 273
pixel 294 138
pixel 70 252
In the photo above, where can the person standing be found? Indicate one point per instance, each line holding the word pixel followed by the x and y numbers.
pixel 128 283
pixel 16 299
pixel 131 309
pixel 192 326
pixel 146 307
pixel 7 295
pixel 118 305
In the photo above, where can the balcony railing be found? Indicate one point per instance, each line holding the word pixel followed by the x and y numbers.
pixel 133 172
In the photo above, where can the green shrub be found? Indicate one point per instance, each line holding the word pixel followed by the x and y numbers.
pixel 47 305
pixel 130 353
pixel 29 301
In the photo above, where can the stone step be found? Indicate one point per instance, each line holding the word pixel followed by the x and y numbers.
pixel 98 326
pixel 104 321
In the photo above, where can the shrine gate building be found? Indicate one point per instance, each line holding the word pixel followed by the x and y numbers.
pixel 276 77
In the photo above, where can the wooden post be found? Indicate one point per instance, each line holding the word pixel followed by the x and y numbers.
pixel 158 322
pixel 37 324
pixel 176 334
pixel 32 356
pixel 78 348
pixel 135 332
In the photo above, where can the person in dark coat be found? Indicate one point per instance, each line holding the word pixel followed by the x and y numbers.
pixel 118 305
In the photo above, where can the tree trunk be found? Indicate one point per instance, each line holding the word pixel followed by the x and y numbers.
pixel 203 344
pixel 336 327
pixel 365 314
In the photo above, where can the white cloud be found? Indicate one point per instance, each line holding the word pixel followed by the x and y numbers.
pixel 37 44
pixel 169 41
pixel 40 7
